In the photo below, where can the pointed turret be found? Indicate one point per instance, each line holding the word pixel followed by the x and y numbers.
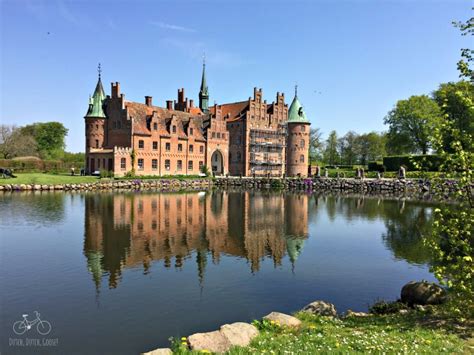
pixel 204 92
pixel 97 100
pixel 296 113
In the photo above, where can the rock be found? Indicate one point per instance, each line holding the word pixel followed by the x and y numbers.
pixel 161 351
pixel 423 293
pixel 239 334
pixel 321 308
pixel 283 319
pixel 351 313
pixel 214 341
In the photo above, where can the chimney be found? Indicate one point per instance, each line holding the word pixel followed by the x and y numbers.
pixel 148 100
pixel 115 89
pixel 169 105
pixel 191 103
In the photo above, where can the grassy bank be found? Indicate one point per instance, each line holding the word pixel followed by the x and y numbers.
pixel 415 332
pixel 47 179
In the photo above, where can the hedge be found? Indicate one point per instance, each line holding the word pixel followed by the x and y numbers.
pixel 376 166
pixel 36 165
pixel 426 162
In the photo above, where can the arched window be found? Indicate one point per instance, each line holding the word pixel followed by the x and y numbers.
pixel 302 143
pixel 301 158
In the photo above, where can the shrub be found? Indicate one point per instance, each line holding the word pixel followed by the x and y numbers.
pixel 383 307
pixel 413 162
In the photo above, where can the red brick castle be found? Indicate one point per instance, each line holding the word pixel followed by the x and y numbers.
pixel 242 138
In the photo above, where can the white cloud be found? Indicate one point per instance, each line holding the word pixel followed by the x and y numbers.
pixel 169 26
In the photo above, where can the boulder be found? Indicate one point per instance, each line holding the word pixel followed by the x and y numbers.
pixel 214 341
pixel 351 313
pixel 321 308
pixel 283 319
pixel 161 351
pixel 423 293
pixel 239 334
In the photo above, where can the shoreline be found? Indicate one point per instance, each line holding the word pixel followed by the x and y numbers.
pixel 414 188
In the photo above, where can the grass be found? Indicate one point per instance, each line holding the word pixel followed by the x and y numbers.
pixel 409 333
pixel 53 179
pixel 47 179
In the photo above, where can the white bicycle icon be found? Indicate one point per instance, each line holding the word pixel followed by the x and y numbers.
pixel 42 326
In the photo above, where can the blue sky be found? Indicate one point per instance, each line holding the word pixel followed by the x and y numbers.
pixel 352 60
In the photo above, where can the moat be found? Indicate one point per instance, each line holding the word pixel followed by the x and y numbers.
pixel 121 272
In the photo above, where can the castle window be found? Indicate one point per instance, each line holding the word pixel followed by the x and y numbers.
pixel 213 134
pixel 141 164
pixel 154 164
pixel 302 143
pixel 301 158
pixel 123 163
pixel 201 163
pixel 201 149
pixel 155 145
pixel 191 131
pixel 155 126
pixel 167 164
pixel 180 147
pixel 190 165
pixel 141 144
pixel 98 163
pixel 180 165
pixel 168 146
pixel 218 135
pixel 191 148
pixel 97 143
pixel 303 128
pixel 174 129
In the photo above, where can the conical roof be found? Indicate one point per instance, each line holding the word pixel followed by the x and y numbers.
pixel 204 89
pixel 294 246
pixel 96 102
pixel 296 113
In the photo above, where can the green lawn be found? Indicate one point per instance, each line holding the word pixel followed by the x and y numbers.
pixel 47 179
pixel 413 333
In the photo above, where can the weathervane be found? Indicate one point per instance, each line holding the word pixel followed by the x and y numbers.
pixel 99 70
pixel 296 90
pixel 203 59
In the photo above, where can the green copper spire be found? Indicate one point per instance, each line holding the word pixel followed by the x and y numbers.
pixel 204 92
pixel 296 113
pixel 97 100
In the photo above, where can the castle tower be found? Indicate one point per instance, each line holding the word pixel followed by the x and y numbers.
pixel 95 121
pixel 297 144
pixel 204 92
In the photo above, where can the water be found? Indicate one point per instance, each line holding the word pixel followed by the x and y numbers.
pixel 122 272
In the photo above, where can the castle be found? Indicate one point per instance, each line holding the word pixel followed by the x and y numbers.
pixel 243 138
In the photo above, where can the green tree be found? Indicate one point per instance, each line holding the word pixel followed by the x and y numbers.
pixel 450 97
pixel 452 241
pixel 347 148
pixel 14 143
pixel 331 155
pixel 50 137
pixel 410 124
pixel 315 144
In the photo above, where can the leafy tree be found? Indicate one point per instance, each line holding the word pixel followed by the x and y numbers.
pixel 410 124
pixel 14 143
pixel 315 144
pixel 50 137
pixel 452 240
pixel 370 147
pixel 331 155
pixel 347 148
pixel 450 97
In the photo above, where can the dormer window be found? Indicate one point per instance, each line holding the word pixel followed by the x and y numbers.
pixel 174 129
pixel 191 131
pixel 155 126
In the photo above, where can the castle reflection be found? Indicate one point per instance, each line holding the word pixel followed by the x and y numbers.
pixel 134 230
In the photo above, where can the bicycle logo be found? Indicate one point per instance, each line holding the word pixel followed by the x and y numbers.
pixel 22 326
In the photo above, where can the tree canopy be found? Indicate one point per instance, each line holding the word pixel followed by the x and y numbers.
pixel 410 124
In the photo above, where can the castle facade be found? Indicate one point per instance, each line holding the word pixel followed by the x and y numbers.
pixel 243 138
